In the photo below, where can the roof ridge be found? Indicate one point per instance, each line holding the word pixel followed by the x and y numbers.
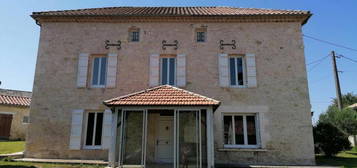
pixel 116 7
pixel 193 93
pixel 15 96
pixel 134 93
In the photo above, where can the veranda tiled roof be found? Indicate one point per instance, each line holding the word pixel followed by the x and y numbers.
pixel 169 11
pixel 162 95
pixel 15 100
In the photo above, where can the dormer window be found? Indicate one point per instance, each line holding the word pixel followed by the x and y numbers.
pixel 134 34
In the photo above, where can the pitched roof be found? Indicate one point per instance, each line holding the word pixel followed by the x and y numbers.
pixel 15 100
pixel 170 11
pixel 149 12
pixel 162 95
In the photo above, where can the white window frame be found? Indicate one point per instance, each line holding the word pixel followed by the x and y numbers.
pixel 245 133
pixel 236 70
pixel 168 70
pixel 99 74
pixel 94 131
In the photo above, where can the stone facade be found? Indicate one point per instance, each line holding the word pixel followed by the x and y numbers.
pixel 281 97
pixel 18 110
pixel 18 128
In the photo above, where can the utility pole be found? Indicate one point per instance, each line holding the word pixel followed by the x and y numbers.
pixel 337 81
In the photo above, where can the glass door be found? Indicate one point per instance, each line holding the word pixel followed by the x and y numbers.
pixel 133 138
pixel 191 147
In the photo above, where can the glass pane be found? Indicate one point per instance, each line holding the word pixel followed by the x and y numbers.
pixel 90 128
pixel 240 71
pixel 164 71
pixel 133 138
pixel 118 142
pixel 232 71
pixel 204 137
pixel 98 129
pixel 172 72
pixel 95 71
pixel 135 36
pixel 200 36
pixel 103 70
pixel 228 130
pixel 188 139
pixel 252 138
pixel 238 123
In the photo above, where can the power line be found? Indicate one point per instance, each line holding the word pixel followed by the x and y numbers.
pixel 317 60
pixel 355 61
pixel 317 64
pixel 331 43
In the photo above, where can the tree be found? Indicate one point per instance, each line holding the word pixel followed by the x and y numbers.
pixel 329 139
pixel 346 119
pixel 347 99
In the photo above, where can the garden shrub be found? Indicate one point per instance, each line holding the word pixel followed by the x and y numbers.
pixel 329 139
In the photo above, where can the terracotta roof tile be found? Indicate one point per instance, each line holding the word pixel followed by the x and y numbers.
pixel 15 100
pixel 169 11
pixel 162 95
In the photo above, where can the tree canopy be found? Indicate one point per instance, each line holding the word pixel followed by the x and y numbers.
pixel 345 119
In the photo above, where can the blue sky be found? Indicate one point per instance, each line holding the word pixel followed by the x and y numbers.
pixel 333 20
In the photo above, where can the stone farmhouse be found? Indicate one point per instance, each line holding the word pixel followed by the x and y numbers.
pixel 172 87
pixel 14 114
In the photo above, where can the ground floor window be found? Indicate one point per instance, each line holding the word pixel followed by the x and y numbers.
pixel 94 128
pixel 240 131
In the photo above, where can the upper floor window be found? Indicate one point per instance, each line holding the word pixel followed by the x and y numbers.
pixel 201 34
pixel 237 71
pixel 94 126
pixel 99 70
pixel 26 120
pixel 168 70
pixel 240 130
pixel 134 34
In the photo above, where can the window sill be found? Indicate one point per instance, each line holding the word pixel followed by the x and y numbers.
pixel 242 150
pixel 98 87
pixel 240 86
pixel 92 148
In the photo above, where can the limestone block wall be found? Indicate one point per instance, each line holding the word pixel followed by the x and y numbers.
pixel 18 128
pixel 281 98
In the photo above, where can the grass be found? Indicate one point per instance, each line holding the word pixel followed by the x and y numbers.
pixel 11 146
pixel 11 164
pixel 18 146
pixel 347 159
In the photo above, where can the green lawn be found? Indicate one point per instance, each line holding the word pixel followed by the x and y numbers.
pixel 344 159
pixel 11 146
pixel 9 164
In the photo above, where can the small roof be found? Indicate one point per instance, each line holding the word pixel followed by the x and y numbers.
pixel 15 100
pixel 162 96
